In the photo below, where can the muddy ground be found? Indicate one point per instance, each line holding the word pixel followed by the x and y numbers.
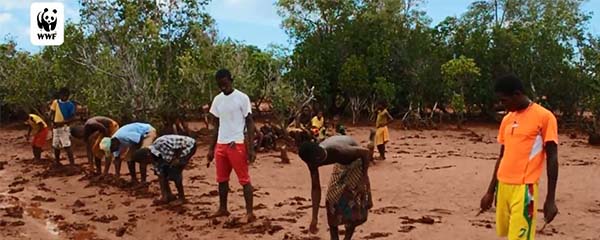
pixel 428 188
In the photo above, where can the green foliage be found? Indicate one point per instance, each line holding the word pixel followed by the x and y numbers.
pixel 133 60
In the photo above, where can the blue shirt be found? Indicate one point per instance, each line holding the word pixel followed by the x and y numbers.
pixel 131 134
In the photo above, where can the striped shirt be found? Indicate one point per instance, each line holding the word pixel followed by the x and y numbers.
pixel 165 146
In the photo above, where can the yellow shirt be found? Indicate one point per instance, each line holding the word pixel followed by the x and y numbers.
pixel 317 123
pixel 34 121
pixel 382 118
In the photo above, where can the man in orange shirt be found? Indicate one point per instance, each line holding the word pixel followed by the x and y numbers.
pixel 529 137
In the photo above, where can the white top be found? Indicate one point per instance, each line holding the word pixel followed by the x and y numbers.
pixel 232 111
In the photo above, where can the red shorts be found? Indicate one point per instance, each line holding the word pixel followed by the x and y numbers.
pixel 39 139
pixel 235 158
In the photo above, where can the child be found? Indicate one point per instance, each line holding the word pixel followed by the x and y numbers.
pixel 382 134
pixel 269 136
pixel 94 130
pixel 317 124
pixel 39 129
pixel 169 154
pixel 338 127
pixel 62 111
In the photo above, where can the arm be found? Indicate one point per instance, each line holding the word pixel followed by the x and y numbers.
pixel 213 141
pixel 488 198
pixel 366 156
pixel 492 187
pixel 28 131
pixel 390 118
pixel 251 129
pixel 550 209
pixel 316 197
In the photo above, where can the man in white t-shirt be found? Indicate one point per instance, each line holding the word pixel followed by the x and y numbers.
pixel 233 112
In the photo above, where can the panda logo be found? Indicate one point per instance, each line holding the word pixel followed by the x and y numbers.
pixel 47 20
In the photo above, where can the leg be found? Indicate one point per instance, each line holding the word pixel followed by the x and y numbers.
pixel 333 231
pixel 238 158
pixel 165 188
pixel 98 163
pixel 57 156
pixel 248 197
pixel 503 196
pixel 143 169
pixel 37 153
pixel 179 184
pixel 223 192
pixel 70 155
pixel 223 171
pixel 349 231
pixel 131 166
pixel 117 167
pixel 56 145
pixel 107 162
pixel 523 212
pixel 381 149
pixel 88 149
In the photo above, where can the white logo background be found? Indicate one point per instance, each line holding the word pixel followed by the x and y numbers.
pixel 41 37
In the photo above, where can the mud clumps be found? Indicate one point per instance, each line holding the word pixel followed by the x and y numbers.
pixel 11 224
pixel 376 235
pixel 43 199
pixel 78 204
pixel 406 229
pixel 14 212
pixel 233 222
pixel 423 220
pixel 18 181
pixel 15 190
pixel 105 218
pixel 60 171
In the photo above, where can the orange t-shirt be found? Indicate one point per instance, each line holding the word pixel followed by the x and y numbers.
pixel 524 135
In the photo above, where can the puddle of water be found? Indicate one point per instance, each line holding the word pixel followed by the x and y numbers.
pixel 52 228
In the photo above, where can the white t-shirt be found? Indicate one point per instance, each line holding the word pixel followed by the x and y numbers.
pixel 232 111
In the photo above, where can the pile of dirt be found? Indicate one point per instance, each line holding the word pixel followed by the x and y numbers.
pixel 423 220
pixel 386 210
pixel 43 199
pixel 15 190
pixel 18 181
pixel 14 212
pixel 105 218
pixel 376 235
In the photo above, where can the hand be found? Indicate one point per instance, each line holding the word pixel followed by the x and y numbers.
pixel 313 227
pixel 486 202
pixel 251 155
pixel 550 211
pixel 209 157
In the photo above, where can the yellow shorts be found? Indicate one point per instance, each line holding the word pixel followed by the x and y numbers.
pixel 516 210
pixel 382 136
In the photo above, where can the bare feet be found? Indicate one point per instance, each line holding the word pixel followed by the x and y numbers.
pixel 251 218
pixel 221 213
pixel 177 202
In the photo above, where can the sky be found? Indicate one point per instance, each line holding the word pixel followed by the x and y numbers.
pixel 251 21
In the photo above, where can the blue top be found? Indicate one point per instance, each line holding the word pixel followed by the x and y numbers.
pixel 131 134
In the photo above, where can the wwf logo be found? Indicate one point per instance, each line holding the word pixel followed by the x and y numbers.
pixel 47 20
pixel 47 23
